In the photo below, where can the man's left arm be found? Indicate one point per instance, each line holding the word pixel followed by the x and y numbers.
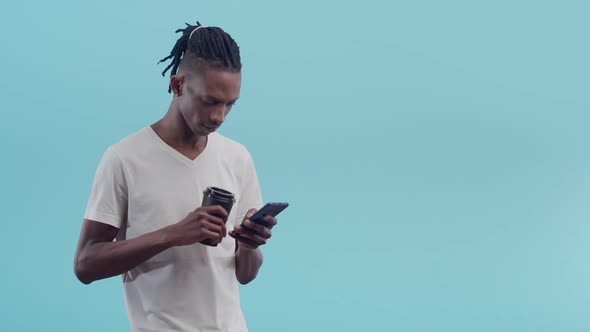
pixel 249 237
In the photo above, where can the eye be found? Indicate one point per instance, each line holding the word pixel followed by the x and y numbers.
pixel 208 101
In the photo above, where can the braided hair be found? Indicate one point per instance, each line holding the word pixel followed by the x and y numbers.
pixel 204 45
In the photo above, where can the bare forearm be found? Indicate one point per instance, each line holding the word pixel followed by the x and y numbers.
pixel 101 260
pixel 248 262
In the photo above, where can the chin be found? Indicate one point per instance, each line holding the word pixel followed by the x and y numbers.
pixel 197 130
pixel 201 132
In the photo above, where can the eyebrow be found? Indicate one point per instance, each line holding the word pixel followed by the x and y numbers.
pixel 219 99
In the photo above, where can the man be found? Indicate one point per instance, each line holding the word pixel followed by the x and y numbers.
pixel 147 193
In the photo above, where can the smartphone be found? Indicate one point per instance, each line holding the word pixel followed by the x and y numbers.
pixel 269 209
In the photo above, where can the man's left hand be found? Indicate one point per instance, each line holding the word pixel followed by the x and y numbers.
pixel 251 235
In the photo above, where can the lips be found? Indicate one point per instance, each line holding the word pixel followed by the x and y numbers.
pixel 210 128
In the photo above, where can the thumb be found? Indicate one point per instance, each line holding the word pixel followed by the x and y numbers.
pixel 250 213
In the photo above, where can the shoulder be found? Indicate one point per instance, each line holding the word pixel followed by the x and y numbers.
pixel 122 152
pixel 130 147
pixel 132 143
pixel 229 147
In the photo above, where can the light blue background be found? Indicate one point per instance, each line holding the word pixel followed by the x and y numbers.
pixel 435 154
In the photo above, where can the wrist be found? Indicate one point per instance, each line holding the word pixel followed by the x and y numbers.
pixel 168 237
pixel 247 250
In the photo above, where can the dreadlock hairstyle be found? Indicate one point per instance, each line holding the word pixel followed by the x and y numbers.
pixel 207 45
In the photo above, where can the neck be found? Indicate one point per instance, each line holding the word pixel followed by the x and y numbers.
pixel 172 128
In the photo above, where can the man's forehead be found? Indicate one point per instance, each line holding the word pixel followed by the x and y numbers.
pixel 223 85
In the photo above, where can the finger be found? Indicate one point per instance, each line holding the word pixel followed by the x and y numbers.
pixel 217 220
pixel 212 232
pixel 245 242
pixel 235 235
pixel 253 236
pixel 270 221
pixel 217 210
pixel 206 214
pixel 215 228
pixel 210 235
pixel 259 229
pixel 223 230
pixel 250 213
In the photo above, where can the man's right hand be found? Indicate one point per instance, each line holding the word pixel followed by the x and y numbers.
pixel 207 222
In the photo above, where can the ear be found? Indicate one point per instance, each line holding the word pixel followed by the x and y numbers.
pixel 176 83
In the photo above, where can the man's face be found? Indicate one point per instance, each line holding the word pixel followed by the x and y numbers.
pixel 206 97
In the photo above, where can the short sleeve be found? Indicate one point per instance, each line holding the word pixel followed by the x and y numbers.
pixel 108 198
pixel 250 196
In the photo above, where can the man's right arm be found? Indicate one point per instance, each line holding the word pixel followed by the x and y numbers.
pixel 98 257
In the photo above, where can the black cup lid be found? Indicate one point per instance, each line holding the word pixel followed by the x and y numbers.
pixel 221 193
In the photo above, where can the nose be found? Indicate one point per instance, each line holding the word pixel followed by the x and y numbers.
pixel 218 114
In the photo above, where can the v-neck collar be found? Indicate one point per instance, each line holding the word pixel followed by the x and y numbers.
pixel 172 151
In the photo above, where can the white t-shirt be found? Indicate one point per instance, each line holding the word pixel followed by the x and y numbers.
pixel 142 185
